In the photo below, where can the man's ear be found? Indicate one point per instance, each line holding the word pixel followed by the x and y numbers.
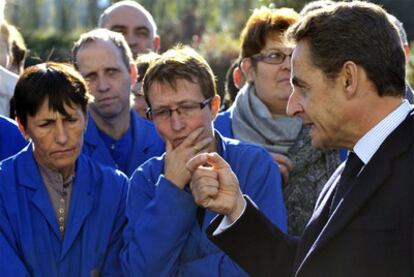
pixel 215 105
pixel 247 69
pixel 22 129
pixel 350 78
pixel 156 43
pixel 133 73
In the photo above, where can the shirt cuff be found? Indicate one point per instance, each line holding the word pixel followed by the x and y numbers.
pixel 226 222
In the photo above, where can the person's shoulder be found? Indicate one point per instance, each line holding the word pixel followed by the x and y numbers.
pixel 243 155
pixel 150 169
pixel 7 121
pixel 146 129
pixel 222 123
pixel 141 122
pixel 8 126
pixel 236 145
pixel 15 168
pixel 103 174
pixel 18 158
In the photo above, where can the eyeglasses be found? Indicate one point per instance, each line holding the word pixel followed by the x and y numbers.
pixel 271 57
pixel 185 109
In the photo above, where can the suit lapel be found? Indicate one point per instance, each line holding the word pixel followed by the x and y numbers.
pixel 318 220
pixel 370 179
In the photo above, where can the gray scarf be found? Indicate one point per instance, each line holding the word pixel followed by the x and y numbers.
pixel 252 122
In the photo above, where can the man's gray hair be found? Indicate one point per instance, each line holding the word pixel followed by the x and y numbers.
pixel 131 4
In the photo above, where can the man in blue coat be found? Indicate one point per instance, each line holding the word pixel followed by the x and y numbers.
pixel 11 140
pixel 165 231
pixel 115 135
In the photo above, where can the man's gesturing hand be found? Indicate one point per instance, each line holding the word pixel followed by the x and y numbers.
pixel 215 186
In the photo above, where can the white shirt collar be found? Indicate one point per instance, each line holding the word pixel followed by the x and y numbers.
pixel 366 146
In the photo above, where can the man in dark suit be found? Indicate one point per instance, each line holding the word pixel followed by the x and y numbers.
pixel 348 77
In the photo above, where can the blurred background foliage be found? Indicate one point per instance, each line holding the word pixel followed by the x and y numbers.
pixel 211 26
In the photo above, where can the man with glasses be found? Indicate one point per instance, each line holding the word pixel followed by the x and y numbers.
pixel 115 135
pixel 165 232
pixel 258 115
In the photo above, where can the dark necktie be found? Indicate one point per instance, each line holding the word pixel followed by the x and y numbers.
pixel 352 166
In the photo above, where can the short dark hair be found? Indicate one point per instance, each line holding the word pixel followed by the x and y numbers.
pixel 359 32
pixel 181 63
pixel 58 83
pixel 315 5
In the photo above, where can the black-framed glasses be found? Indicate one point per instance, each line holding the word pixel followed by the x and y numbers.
pixel 185 109
pixel 271 57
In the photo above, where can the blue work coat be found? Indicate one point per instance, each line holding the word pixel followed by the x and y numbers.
pixel 146 144
pixel 163 236
pixel 11 140
pixel 30 241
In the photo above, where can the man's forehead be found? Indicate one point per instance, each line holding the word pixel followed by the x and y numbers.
pixel 127 16
pixel 98 45
pixel 301 55
pixel 180 88
pixel 86 56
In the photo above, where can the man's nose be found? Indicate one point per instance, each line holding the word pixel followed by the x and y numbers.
pixel 294 106
pixel 103 84
pixel 177 122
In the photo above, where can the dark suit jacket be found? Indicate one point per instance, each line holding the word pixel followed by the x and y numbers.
pixel 370 233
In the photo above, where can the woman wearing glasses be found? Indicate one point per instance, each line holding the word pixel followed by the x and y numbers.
pixel 258 114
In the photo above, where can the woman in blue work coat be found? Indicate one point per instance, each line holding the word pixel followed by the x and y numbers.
pixel 61 214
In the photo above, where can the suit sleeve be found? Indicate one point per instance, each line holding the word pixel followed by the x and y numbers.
pixel 260 248
pixel 217 264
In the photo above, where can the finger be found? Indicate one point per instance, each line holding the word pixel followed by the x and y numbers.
pixel 168 146
pixel 196 161
pixel 212 159
pixel 205 191
pixel 192 137
pixel 203 144
pixel 283 160
pixel 204 172
pixel 216 161
pixel 285 173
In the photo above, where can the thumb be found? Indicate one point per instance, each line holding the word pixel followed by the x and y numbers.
pixel 168 146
